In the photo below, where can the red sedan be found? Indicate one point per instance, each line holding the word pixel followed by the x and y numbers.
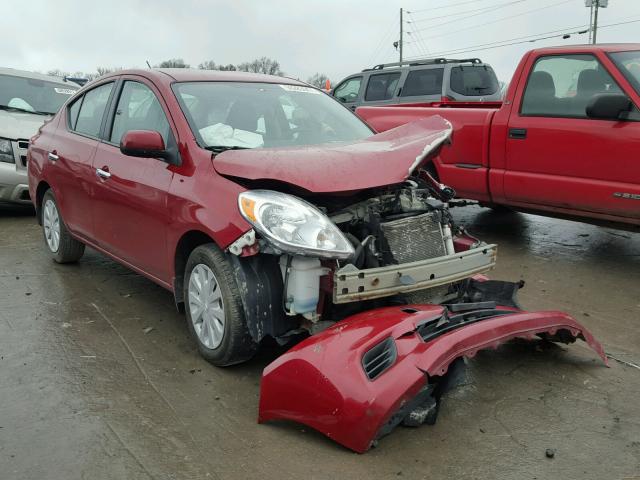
pixel 269 209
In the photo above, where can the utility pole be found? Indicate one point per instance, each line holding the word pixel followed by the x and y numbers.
pixel 595 20
pixel 400 42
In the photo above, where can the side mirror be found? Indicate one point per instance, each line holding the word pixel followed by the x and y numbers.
pixel 143 143
pixel 609 106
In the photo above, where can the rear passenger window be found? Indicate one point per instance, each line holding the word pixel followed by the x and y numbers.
pixel 562 86
pixel 423 82
pixel 381 86
pixel 138 109
pixel 73 113
pixel 92 110
pixel 474 80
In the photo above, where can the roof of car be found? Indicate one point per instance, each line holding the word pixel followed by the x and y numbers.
pixel 37 76
pixel 197 75
pixel 605 47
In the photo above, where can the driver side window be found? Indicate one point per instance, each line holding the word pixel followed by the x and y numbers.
pixel 348 91
pixel 138 109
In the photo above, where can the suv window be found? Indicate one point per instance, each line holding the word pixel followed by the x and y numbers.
pixel 423 82
pixel 381 86
pixel 474 80
pixel 138 109
pixel 562 86
pixel 92 110
pixel 348 91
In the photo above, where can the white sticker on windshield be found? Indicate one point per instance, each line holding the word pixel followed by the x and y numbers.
pixel 299 88
pixel 64 91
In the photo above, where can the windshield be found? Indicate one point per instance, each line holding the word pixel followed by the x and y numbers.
pixel 33 95
pixel 629 64
pixel 255 115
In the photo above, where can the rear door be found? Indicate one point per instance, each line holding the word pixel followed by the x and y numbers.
pixel 422 85
pixel 71 155
pixel 382 88
pixel 558 158
pixel 131 213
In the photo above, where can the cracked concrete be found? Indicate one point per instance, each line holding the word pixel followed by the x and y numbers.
pixel 86 393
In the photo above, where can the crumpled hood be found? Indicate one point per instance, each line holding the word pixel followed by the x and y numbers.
pixel 382 159
pixel 20 125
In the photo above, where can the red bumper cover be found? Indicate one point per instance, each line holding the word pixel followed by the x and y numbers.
pixel 322 383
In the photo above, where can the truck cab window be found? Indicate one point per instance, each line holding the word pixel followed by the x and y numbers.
pixel 562 86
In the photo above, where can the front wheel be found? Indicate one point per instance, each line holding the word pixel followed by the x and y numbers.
pixel 62 246
pixel 214 308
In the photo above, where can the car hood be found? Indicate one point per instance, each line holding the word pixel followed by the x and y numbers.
pixel 382 159
pixel 20 125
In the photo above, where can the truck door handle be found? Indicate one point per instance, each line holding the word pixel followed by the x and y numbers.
pixel 103 173
pixel 518 133
pixel 52 156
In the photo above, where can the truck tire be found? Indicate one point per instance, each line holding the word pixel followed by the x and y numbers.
pixel 62 246
pixel 214 310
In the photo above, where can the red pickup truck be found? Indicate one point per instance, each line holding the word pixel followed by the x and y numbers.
pixel 564 142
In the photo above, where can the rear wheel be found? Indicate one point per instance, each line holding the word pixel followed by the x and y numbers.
pixel 214 308
pixel 62 246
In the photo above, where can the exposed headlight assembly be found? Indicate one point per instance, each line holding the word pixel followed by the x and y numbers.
pixel 6 151
pixel 292 225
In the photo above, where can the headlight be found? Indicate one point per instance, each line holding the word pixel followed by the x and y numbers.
pixel 292 225
pixel 6 151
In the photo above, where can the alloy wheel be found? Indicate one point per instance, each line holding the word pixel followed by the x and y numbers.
pixel 51 225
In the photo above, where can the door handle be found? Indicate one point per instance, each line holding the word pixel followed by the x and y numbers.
pixel 52 156
pixel 518 133
pixel 103 173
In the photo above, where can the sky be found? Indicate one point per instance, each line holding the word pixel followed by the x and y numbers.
pixel 333 37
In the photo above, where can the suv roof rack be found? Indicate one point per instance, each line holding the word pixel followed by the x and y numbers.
pixel 426 61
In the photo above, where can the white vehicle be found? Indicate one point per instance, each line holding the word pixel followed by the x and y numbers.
pixel 27 101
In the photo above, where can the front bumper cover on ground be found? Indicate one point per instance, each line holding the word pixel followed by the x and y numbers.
pixel 322 383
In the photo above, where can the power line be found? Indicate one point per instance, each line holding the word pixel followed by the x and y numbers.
pixel 418 36
pixel 481 10
pixel 494 21
pixel 466 49
pixel 436 7
pixel 532 40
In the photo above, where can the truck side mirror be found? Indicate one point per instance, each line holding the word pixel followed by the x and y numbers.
pixel 609 106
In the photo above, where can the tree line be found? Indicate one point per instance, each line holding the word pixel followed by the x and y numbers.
pixel 259 65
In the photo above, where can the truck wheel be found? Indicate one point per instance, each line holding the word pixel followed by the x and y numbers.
pixel 214 308
pixel 63 247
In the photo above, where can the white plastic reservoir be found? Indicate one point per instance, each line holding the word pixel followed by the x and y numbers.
pixel 303 283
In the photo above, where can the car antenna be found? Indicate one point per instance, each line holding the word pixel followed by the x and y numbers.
pixel 148 64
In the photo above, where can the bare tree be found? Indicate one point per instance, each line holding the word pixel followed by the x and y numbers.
pixel 208 65
pixel 261 65
pixel 228 68
pixel 173 63
pixel 318 80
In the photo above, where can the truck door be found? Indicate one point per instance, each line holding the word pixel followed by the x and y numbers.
pixel 556 157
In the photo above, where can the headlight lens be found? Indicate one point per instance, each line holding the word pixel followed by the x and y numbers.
pixel 6 151
pixel 293 225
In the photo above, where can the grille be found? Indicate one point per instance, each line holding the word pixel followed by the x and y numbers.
pixel 379 358
pixel 414 238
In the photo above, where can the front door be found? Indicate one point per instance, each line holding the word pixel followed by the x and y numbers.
pixel 559 158
pixel 130 202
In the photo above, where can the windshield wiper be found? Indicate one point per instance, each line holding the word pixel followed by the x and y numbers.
pixel 224 148
pixel 18 109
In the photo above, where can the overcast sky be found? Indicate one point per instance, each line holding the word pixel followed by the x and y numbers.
pixel 334 37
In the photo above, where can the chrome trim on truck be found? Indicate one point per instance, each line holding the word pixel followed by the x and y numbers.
pixel 351 284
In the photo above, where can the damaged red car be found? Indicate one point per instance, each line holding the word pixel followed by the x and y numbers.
pixel 269 209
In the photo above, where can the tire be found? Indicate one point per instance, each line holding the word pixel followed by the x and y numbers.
pixel 214 310
pixel 60 244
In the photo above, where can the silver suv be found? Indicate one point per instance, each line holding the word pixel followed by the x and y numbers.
pixel 417 81
pixel 27 100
